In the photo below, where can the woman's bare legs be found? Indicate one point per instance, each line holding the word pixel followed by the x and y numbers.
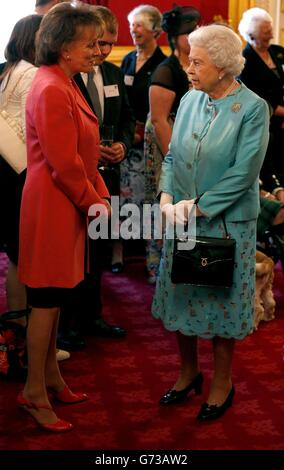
pixel 117 252
pixel 188 348
pixel 40 333
pixel 53 377
pixel 223 349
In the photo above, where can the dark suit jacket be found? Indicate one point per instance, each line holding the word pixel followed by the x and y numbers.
pixel 117 112
pixel 262 80
pixel 265 83
pixel 269 176
pixel 138 92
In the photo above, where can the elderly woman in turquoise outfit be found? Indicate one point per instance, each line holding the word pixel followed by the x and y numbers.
pixel 218 145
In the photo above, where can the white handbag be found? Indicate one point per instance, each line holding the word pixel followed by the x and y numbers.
pixel 12 147
pixel 12 140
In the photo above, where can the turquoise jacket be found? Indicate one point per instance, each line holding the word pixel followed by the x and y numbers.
pixel 216 151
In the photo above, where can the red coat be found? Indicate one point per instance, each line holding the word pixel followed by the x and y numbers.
pixel 62 181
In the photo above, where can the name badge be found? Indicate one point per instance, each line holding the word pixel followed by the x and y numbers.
pixel 128 80
pixel 111 90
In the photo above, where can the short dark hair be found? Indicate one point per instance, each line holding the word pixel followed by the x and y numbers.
pixel 21 45
pixel 60 26
pixel 41 3
pixel 109 19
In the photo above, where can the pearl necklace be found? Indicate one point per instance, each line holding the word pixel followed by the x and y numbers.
pixel 210 101
pixel 229 89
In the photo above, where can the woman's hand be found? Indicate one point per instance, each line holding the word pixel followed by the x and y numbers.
pixel 280 195
pixel 139 132
pixel 108 207
pixel 168 212
pixel 177 213
pixel 114 154
pixel 183 209
pixel 267 195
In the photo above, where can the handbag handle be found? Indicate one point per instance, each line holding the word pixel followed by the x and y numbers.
pixel 196 201
pixel 14 314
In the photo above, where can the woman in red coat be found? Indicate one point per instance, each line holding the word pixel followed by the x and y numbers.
pixel 62 183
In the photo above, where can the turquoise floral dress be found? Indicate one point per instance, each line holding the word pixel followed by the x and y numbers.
pixel 205 311
pixel 216 152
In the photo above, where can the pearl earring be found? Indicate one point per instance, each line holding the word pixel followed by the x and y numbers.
pixel 220 77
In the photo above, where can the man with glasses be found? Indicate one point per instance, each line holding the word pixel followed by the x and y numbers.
pixel 105 92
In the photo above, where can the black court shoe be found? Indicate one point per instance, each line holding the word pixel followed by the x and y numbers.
pixel 173 396
pixel 117 268
pixel 101 328
pixel 208 412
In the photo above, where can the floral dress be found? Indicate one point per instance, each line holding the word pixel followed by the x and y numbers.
pixel 205 311
pixel 216 152
pixel 171 76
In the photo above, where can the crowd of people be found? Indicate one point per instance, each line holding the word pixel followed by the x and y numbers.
pixel 201 124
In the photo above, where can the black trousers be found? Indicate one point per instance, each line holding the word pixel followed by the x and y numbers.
pixel 11 187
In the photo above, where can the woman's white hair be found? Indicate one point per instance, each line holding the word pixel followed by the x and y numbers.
pixel 149 15
pixel 223 46
pixel 251 21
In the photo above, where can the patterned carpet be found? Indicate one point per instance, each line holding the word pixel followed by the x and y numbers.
pixel 125 378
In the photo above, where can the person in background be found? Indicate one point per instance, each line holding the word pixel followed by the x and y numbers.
pixel 62 184
pixel 263 73
pixel 217 148
pixel 137 67
pixel 271 216
pixel 15 81
pixel 114 110
pixel 17 74
pixel 43 6
pixel 169 83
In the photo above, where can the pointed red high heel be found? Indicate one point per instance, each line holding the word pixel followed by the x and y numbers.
pixel 67 396
pixel 59 426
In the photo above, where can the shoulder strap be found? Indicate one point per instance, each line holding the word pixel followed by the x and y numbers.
pixel 14 314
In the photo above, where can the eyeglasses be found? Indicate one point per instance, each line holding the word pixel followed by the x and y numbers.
pixel 105 44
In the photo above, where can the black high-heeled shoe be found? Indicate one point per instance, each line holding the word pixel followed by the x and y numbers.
pixel 208 412
pixel 173 396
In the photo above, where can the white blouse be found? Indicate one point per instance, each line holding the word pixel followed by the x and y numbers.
pixel 13 94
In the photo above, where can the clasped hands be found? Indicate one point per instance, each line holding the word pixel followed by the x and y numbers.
pixel 178 213
pixel 102 210
pixel 114 154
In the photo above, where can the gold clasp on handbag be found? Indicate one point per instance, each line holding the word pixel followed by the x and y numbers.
pixel 204 261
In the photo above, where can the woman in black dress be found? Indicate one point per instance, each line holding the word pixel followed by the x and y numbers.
pixel 168 85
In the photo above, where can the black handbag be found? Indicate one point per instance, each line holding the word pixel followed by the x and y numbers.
pixel 210 263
